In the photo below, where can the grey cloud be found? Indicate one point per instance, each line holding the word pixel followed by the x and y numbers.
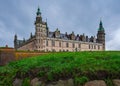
pixel 80 16
pixel 114 42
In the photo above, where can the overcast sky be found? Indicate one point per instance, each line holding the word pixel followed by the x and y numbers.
pixel 80 16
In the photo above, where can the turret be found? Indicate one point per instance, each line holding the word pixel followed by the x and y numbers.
pixel 72 36
pixel 101 35
pixel 57 33
pixel 15 42
pixel 38 18
pixel 31 35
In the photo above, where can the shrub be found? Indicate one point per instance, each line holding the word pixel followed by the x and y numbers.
pixel 81 80
pixel 26 82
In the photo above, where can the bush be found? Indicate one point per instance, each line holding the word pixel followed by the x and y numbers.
pixel 26 82
pixel 81 80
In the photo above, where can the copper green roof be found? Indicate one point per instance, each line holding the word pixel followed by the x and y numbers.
pixel 38 11
pixel 101 28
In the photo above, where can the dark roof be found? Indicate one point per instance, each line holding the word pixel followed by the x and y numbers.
pixel 61 36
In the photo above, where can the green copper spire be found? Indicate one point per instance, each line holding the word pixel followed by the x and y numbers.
pixel 46 25
pixel 38 11
pixel 101 28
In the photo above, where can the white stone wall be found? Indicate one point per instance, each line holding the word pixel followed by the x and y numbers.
pixel 78 45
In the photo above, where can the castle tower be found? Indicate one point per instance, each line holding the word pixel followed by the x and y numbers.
pixel 101 35
pixel 40 32
pixel 15 42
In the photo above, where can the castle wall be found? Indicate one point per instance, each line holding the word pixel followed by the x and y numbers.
pixel 61 45
pixel 29 46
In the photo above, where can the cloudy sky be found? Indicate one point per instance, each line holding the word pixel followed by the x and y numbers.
pixel 80 16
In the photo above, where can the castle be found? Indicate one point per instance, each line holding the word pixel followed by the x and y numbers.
pixel 47 41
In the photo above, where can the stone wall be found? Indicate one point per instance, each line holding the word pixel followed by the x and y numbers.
pixel 54 44
pixel 9 54
pixel 69 82
pixel 6 55
pixel 61 45
pixel 28 47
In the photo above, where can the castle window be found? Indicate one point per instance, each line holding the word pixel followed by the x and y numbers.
pixel 53 43
pixel 46 42
pixel 73 45
pixel 53 50
pixel 60 50
pixel 67 50
pixel 94 46
pixel 59 44
pixel 67 45
pixel 98 47
pixel 89 46
pixel 79 45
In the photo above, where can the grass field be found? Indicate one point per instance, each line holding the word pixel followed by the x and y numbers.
pixel 81 66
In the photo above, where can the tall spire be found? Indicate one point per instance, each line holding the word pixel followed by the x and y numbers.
pixel 38 17
pixel 38 11
pixel 15 37
pixel 46 24
pixel 46 21
pixel 101 28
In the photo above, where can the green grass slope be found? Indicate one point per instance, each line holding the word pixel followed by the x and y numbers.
pixel 81 66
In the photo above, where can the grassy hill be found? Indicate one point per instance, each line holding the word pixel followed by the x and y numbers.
pixel 81 66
